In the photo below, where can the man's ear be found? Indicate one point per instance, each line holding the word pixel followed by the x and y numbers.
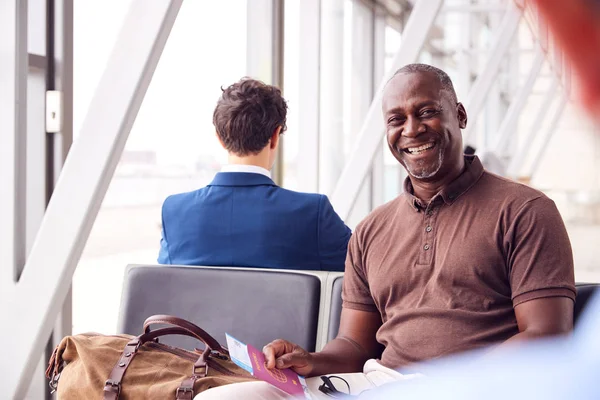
pixel 462 116
pixel 275 138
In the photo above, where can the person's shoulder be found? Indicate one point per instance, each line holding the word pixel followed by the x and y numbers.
pixel 175 200
pixel 307 197
pixel 510 189
pixel 381 214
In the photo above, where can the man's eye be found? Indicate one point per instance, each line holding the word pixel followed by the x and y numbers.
pixel 428 113
pixel 394 121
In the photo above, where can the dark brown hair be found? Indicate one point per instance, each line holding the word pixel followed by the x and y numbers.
pixel 247 115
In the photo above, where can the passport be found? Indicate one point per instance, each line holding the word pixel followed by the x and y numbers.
pixel 253 361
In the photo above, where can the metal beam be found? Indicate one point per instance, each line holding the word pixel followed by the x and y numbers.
pixel 378 45
pixel 547 136
pixel 80 190
pixel 474 8
pixel 369 139
pixel 13 133
pixel 308 95
pixel 518 160
pixel 476 99
pixel 519 102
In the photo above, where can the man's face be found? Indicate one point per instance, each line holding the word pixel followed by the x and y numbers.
pixel 423 125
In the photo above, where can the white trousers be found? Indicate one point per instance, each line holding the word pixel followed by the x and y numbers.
pixel 373 375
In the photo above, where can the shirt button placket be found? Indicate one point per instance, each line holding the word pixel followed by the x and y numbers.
pixel 426 259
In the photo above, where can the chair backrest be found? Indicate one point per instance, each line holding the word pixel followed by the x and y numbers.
pixel 254 305
pixel 584 294
pixel 336 308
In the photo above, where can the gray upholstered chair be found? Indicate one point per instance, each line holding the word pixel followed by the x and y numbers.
pixel 585 291
pixel 254 305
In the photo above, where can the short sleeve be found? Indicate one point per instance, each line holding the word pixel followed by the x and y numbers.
pixel 539 254
pixel 356 293
pixel 333 236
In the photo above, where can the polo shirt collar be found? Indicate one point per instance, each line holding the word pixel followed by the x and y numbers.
pixel 449 194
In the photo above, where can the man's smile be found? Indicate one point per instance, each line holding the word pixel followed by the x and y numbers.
pixel 417 150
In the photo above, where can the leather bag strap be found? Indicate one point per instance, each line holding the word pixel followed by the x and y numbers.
pixel 112 386
pixel 188 326
pixel 185 391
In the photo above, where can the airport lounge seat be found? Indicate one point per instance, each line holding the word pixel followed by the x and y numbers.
pixel 254 305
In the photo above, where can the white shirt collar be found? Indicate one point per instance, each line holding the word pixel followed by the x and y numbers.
pixel 253 169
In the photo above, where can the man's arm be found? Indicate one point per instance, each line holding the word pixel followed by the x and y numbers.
pixel 354 345
pixel 543 317
pixel 541 275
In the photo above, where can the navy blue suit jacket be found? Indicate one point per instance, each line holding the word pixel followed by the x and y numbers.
pixel 245 219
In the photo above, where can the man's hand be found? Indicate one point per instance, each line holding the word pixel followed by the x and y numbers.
pixel 356 343
pixel 283 354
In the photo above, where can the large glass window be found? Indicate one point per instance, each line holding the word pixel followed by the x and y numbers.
pixel 172 147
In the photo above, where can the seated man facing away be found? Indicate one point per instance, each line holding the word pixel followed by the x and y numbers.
pixel 242 218
pixel 461 260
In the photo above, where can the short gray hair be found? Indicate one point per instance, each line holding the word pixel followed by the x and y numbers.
pixel 443 77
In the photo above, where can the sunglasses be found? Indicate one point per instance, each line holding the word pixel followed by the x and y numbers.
pixel 330 390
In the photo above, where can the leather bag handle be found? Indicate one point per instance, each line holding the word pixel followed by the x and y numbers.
pixel 112 386
pixel 191 328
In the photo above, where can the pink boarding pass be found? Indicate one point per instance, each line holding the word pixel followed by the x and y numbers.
pixel 253 360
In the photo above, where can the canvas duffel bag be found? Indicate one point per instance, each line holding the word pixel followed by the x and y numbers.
pixel 94 366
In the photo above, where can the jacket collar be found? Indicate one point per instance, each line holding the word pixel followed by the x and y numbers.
pixel 241 179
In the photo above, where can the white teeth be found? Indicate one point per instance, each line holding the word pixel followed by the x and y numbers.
pixel 420 149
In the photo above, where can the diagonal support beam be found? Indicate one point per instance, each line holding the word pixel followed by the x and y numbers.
pixel 481 87
pixel 367 143
pixel 80 190
pixel 13 120
pixel 518 103
pixel 547 136
pixel 517 162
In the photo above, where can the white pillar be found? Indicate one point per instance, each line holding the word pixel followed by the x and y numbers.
pixel 308 91
pixel 264 53
pixel 79 192
pixel 13 131
pixel 331 154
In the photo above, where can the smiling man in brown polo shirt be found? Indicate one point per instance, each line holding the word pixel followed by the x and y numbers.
pixel 461 260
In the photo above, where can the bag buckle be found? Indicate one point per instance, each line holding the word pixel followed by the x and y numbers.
pixel 201 374
pixel 184 393
pixel 54 382
pixel 110 384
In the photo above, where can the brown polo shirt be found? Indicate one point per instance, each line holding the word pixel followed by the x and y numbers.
pixel 445 277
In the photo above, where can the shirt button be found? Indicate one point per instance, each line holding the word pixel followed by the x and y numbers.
pixel 428 229
pixel 429 212
pixel 426 247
